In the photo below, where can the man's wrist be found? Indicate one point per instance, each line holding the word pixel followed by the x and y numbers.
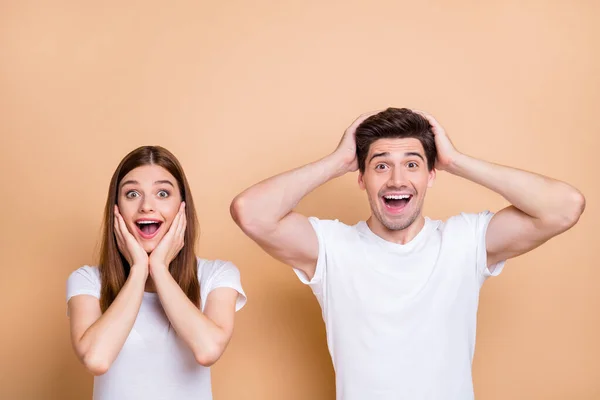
pixel 457 164
pixel 336 165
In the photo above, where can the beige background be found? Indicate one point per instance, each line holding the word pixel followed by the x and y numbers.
pixel 242 90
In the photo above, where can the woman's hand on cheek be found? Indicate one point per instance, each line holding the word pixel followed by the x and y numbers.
pixel 171 244
pixel 133 252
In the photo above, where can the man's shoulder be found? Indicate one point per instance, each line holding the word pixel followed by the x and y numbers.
pixel 335 227
pixel 335 223
pixel 466 222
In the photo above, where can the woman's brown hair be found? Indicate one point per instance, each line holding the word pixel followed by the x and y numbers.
pixel 114 268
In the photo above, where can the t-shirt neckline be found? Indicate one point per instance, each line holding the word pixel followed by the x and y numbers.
pixel 363 227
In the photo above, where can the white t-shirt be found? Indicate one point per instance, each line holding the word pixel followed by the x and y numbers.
pixel 154 362
pixel 401 319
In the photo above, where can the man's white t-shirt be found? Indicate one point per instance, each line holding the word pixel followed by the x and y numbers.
pixel 154 362
pixel 401 319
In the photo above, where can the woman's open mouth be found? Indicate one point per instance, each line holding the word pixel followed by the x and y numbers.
pixel 148 228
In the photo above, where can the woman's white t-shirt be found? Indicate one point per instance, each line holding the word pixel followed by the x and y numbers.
pixel 154 362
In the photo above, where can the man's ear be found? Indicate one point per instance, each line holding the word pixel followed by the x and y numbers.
pixel 431 179
pixel 361 181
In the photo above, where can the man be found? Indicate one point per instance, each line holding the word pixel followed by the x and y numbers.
pixel 399 292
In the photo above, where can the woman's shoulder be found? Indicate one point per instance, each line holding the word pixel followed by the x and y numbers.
pixel 84 280
pixel 214 274
pixel 90 272
pixel 209 267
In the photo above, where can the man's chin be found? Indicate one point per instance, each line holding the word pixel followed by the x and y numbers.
pixel 397 222
pixel 395 225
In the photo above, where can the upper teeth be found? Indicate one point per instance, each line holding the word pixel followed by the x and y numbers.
pixel 147 222
pixel 397 196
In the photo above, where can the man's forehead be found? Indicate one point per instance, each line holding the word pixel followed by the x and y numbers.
pixel 396 145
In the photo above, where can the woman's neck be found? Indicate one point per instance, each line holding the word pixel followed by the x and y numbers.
pixel 150 285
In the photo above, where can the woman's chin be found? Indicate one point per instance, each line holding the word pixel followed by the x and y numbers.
pixel 149 244
pixel 149 247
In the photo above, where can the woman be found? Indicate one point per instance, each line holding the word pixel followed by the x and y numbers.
pixel 152 318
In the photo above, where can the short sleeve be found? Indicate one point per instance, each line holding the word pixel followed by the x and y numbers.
pixel 482 221
pixel 319 227
pixel 85 280
pixel 217 274
pixel 329 237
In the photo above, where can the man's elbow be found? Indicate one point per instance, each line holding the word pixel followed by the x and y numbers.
pixel 575 208
pixel 570 212
pixel 244 215
pixel 237 211
pixel 248 218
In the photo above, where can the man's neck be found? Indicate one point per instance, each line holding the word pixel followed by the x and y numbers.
pixel 402 236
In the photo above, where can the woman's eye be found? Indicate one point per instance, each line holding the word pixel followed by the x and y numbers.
pixel 132 194
pixel 163 194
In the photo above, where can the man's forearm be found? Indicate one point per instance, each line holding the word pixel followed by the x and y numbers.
pixel 269 201
pixel 536 195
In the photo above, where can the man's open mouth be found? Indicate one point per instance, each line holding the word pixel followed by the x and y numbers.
pixel 396 202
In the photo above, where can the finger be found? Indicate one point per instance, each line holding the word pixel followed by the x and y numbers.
pixel 177 228
pixel 435 125
pixel 116 220
pixel 117 212
pixel 120 241
pixel 370 114
pixel 182 220
pixel 117 230
pixel 183 226
pixel 176 222
pixel 181 233
pixel 171 231
pixel 123 228
pixel 180 237
pixel 128 240
pixel 427 116
pixel 361 119
pixel 119 235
